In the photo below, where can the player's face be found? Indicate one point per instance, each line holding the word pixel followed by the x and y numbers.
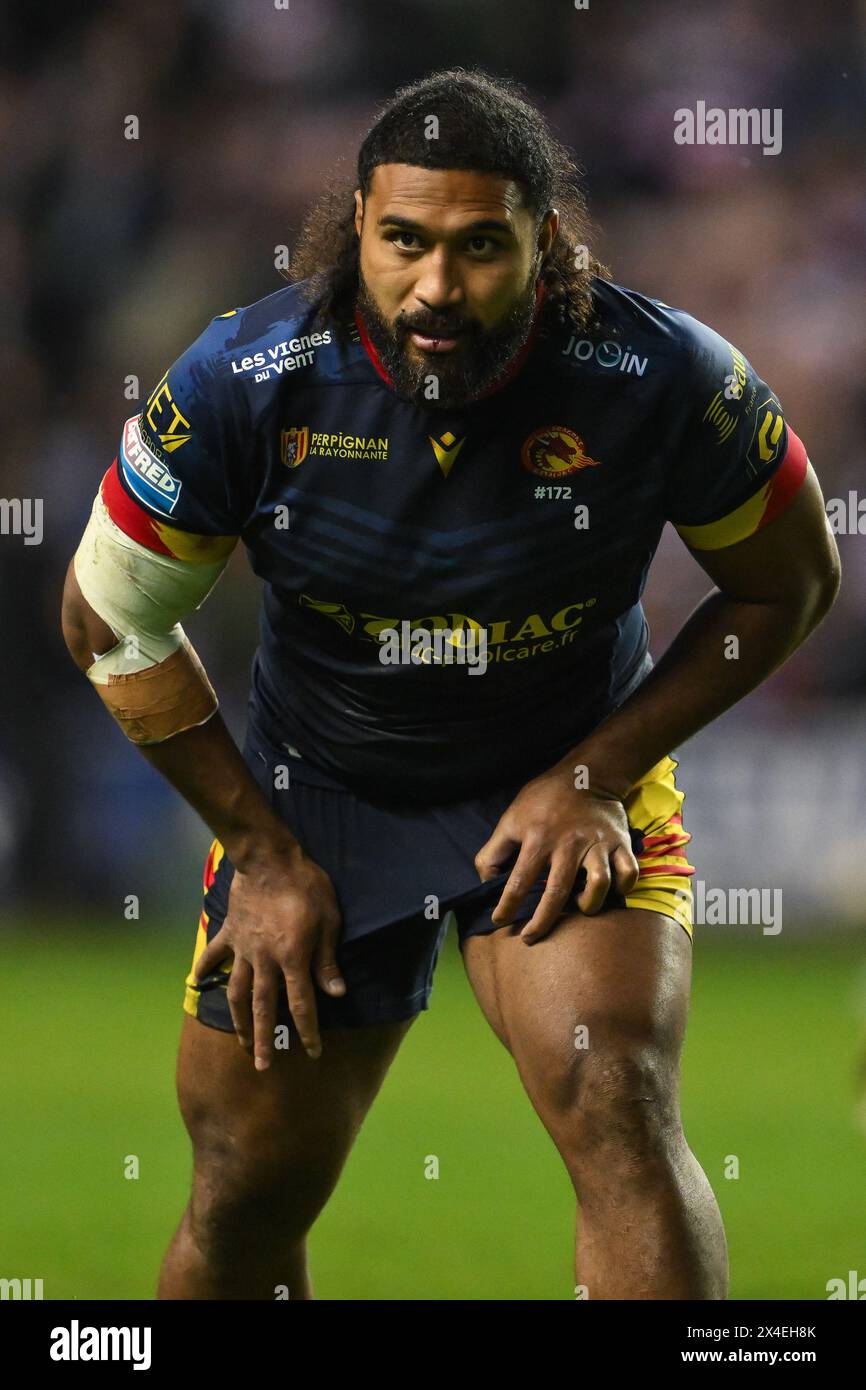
pixel 449 260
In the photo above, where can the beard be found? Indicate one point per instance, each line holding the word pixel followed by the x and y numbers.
pixel 460 376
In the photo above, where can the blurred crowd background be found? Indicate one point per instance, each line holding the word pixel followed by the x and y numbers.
pixel 115 253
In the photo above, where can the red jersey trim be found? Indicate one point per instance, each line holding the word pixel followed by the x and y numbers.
pixel 156 535
pixel 758 510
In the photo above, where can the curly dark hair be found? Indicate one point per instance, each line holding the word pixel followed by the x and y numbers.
pixel 486 124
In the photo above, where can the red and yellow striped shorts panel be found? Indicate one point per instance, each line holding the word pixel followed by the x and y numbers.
pixel 654 807
pixel 192 995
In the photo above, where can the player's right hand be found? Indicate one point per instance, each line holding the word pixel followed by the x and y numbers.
pixel 282 924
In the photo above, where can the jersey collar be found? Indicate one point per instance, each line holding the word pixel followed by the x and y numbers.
pixel 508 373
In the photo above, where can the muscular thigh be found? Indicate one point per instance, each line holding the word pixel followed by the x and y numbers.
pixel 611 985
pixel 299 1114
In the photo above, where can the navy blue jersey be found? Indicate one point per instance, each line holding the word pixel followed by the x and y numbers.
pixel 530 516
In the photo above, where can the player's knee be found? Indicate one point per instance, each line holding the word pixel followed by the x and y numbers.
pixel 236 1219
pixel 257 1192
pixel 618 1110
pixel 260 1176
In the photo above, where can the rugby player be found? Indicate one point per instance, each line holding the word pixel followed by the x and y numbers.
pixel 450 419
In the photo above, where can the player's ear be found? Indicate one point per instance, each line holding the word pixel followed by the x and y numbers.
pixel 549 229
pixel 359 210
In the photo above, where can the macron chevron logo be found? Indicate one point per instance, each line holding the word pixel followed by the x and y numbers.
pixel 446 450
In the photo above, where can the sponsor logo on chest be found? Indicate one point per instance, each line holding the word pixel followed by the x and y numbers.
pixel 302 442
pixel 280 358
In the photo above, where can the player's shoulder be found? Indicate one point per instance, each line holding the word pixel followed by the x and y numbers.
pixel 262 341
pixel 644 339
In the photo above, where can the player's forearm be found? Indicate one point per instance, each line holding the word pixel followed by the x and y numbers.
pixel 726 649
pixel 205 765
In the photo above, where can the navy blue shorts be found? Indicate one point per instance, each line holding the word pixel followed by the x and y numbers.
pixel 399 871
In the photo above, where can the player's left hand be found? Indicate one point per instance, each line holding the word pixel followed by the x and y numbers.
pixel 563 830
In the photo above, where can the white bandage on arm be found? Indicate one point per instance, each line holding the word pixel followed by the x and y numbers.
pixel 152 681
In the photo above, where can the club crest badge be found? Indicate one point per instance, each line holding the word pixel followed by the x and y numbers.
pixel 294 445
pixel 554 451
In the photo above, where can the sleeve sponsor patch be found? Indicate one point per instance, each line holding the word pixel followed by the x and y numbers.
pixel 148 477
pixel 165 419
